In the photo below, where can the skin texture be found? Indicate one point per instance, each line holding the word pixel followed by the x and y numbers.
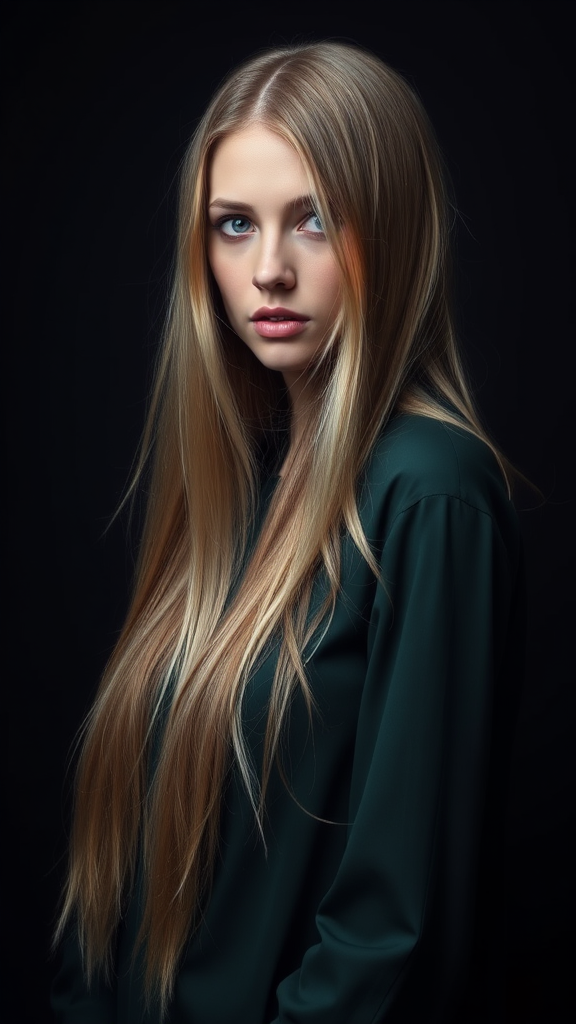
pixel 267 250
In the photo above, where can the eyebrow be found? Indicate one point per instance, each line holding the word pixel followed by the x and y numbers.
pixel 232 204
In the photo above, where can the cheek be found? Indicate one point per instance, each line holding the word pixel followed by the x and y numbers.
pixel 329 286
pixel 227 276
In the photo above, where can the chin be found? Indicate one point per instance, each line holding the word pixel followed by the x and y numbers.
pixel 284 362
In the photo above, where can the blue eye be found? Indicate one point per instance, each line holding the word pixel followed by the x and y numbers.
pixel 313 224
pixel 234 226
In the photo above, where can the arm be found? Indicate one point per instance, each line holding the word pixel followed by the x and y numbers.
pixel 396 928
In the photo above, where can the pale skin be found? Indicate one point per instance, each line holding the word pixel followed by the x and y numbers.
pixel 277 274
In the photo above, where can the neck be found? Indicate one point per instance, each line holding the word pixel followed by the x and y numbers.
pixel 301 394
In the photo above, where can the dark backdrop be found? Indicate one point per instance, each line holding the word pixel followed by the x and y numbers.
pixel 101 99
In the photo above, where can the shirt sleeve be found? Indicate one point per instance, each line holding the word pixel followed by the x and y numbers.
pixel 396 927
pixel 71 1000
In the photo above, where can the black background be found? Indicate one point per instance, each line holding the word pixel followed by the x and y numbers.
pixel 101 99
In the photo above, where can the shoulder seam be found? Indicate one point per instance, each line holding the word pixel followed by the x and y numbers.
pixel 436 494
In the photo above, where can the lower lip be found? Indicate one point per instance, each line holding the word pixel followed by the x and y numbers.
pixel 279 328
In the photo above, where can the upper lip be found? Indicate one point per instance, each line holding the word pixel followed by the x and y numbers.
pixel 264 313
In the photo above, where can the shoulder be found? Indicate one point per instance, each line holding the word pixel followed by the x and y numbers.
pixel 417 457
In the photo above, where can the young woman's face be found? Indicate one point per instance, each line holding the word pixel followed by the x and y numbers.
pixel 277 275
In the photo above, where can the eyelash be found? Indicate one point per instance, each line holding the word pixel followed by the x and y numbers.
pixel 242 234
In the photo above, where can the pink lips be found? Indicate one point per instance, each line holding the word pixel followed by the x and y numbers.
pixel 278 322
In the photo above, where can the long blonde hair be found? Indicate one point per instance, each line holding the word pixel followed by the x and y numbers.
pixel 186 644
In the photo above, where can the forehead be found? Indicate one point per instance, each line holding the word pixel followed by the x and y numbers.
pixel 256 165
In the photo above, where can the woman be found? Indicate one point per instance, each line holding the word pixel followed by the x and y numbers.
pixel 291 783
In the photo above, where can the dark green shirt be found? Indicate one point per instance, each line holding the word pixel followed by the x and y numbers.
pixel 377 898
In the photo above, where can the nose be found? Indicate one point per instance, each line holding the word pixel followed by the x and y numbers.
pixel 274 268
